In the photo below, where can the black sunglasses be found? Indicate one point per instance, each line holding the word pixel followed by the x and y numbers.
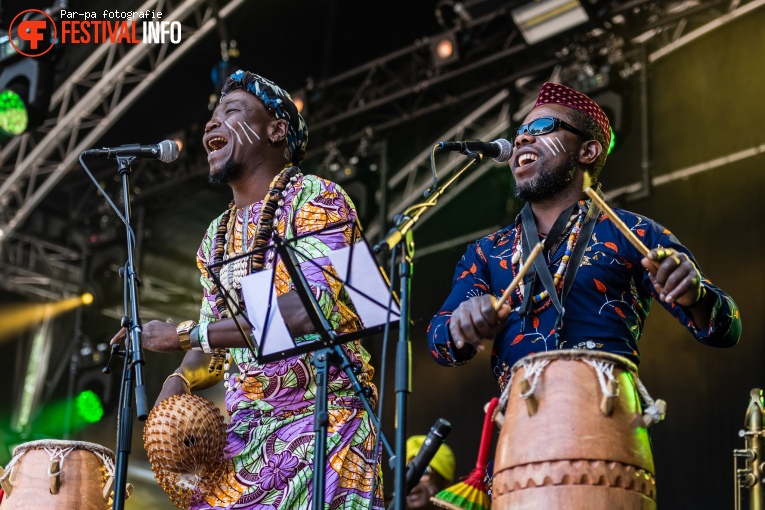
pixel 544 125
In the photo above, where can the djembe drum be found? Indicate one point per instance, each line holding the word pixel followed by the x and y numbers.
pixel 59 475
pixel 184 439
pixel 574 436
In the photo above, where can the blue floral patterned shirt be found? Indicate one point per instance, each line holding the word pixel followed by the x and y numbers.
pixel 605 309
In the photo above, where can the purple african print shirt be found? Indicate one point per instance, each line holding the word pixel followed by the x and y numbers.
pixel 270 437
pixel 605 309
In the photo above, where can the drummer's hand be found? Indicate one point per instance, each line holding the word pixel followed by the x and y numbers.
pixel 676 278
pixel 475 320
pixel 158 336
pixel 172 386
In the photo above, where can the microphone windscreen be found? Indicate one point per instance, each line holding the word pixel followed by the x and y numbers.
pixel 168 151
pixel 505 150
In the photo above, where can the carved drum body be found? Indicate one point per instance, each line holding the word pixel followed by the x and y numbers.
pixel 59 475
pixel 574 436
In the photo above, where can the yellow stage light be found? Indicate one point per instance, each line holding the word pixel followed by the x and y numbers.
pixel 17 318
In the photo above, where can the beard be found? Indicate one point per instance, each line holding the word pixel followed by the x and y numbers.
pixel 549 182
pixel 230 170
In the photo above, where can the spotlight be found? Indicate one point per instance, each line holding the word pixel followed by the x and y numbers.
pixel 24 96
pixel 298 103
pixel 25 81
pixel 444 49
pixel 89 406
pixel 13 114
pixel 544 19
pixel 179 137
pixel 93 388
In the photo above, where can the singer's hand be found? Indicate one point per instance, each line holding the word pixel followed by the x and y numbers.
pixel 475 320
pixel 157 336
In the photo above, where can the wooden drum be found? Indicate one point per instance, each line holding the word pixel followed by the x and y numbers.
pixel 58 475
pixel 574 436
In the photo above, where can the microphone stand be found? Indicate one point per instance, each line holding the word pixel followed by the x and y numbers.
pixel 402 234
pixel 132 375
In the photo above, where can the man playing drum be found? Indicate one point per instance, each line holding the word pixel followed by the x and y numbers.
pixel 595 288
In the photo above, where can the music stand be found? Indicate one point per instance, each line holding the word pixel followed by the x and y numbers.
pixel 355 270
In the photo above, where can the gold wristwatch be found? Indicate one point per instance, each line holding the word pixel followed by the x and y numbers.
pixel 184 330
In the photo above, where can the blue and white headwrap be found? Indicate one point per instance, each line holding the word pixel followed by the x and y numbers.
pixel 278 103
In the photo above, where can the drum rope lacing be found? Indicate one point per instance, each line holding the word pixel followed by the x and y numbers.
pixel 534 369
pixel 61 453
pixel 10 465
pixel 656 410
pixel 604 369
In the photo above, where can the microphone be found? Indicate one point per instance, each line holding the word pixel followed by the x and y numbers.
pixel 165 151
pixel 430 446
pixel 499 150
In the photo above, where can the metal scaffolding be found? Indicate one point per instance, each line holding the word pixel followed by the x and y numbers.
pixel 87 104
pixel 366 102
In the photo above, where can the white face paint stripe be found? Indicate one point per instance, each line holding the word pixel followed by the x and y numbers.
pixel 550 145
pixel 234 130
pixel 245 133
pixel 251 131
pixel 561 145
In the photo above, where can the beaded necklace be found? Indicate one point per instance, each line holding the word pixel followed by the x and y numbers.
pixel 224 248
pixel 517 261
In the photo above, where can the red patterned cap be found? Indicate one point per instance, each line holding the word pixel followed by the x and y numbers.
pixel 555 93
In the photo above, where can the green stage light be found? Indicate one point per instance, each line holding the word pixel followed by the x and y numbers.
pixel 89 406
pixel 613 141
pixel 13 114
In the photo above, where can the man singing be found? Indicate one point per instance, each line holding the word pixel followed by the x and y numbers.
pixel 254 141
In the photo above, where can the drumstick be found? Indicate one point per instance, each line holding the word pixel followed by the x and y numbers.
pixel 521 273
pixel 631 237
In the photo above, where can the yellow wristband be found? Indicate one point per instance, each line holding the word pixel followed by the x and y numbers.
pixel 178 374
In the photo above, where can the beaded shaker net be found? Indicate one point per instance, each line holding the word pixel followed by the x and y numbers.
pixel 184 439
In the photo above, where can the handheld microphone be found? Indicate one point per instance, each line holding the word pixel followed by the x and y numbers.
pixel 499 150
pixel 165 151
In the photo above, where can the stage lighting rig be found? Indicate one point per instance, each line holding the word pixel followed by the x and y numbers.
pixel 228 65
pixel 543 19
pixel 25 87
